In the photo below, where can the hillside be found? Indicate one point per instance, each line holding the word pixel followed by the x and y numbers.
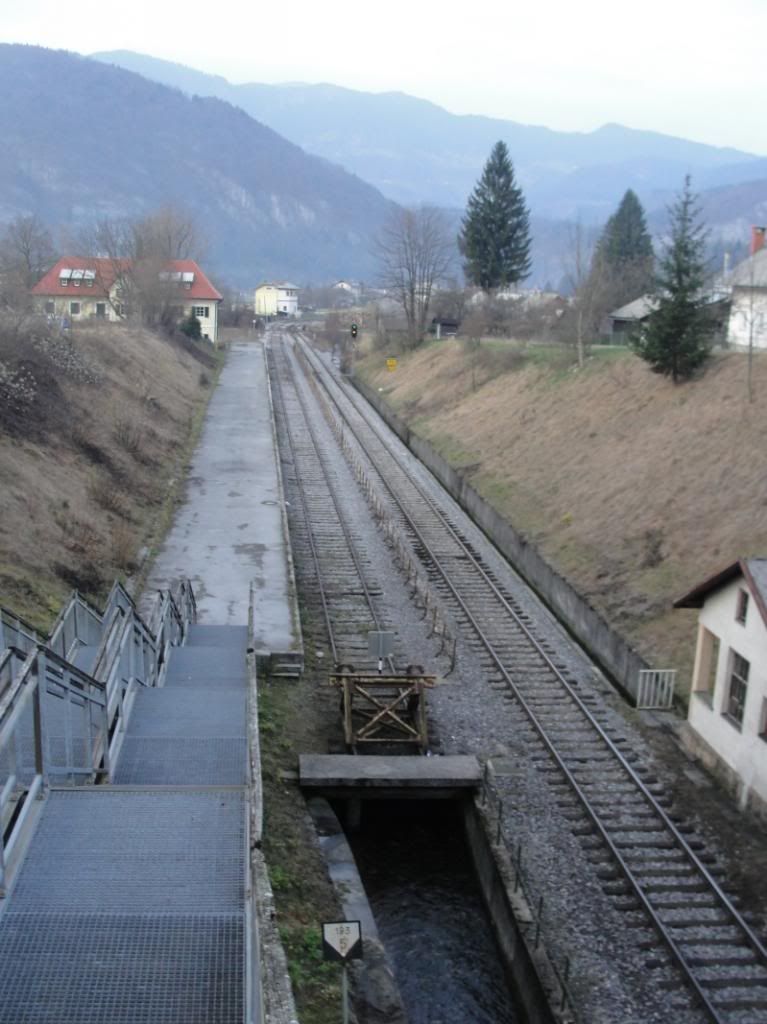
pixel 633 488
pixel 83 140
pixel 415 151
pixel 92 448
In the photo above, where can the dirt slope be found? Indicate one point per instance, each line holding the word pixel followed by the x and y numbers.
pixel 94 430
pixel 633 488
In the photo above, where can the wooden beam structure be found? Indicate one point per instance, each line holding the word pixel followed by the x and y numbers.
pixel 384 709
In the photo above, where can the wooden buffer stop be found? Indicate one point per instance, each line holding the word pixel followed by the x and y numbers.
pixel 384 709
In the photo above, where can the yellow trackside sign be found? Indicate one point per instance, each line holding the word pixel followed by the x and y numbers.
pixel 391 364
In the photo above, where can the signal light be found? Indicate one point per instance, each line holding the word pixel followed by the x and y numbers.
pixel 354 330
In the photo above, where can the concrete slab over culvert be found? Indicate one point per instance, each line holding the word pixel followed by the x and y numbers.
pixel 230 535
pixel 387 777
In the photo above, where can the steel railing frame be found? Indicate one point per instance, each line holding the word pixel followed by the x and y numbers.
pixel 129 653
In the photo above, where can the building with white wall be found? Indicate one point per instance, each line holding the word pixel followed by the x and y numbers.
pixel 276 299
pixel 78 290
pixel 727 717
pixel 748 310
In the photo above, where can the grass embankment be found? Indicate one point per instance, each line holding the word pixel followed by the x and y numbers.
pixel 95 432
pixel 634 489
pixel 295 718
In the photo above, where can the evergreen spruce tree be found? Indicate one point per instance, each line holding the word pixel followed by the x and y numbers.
pixel 624 253
pixel 676 338
pixel 495 231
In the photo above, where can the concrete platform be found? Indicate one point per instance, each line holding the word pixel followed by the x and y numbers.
pixel 395 776
pixel 230 531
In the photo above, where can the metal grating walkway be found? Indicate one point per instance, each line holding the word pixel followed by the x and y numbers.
pixel 192 731
pixel 130 905
pixel 121 969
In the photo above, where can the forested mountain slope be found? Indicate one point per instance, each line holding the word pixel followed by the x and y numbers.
pixel 84 140
pixel 415 151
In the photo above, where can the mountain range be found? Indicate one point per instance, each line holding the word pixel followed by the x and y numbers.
pixel 294 181
pixel 414 151
pixel 83 141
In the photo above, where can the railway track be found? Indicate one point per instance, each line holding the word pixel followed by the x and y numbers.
pixel 692 937
pixel 342 599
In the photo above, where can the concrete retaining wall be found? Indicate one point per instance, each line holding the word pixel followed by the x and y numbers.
pixel 505 912
pixel 376 995
pixel 607 647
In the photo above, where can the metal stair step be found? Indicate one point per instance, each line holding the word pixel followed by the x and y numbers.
pixel 122 851
pixel 210 761
pixel 121 968
pixel 180 713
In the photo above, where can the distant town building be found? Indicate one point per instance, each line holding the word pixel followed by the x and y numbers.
pixel 276 299
pixel 78 290
pixel 727 718
pixel 444 327
pixel 347 286
pixel 624 320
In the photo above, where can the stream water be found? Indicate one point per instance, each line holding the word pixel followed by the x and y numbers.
pixel 417 872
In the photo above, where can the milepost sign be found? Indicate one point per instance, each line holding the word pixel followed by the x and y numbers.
pixel 342 940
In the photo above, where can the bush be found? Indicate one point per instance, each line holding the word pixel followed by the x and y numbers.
pixel 191 327
pixel 128 434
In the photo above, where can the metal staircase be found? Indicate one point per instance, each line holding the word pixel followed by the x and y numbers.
pixel 124 817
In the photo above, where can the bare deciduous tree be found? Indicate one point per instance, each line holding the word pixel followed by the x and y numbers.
pixel 415 249
pixel 26 253
pixel 169 234
pixel 473 327
pixel 589 287
pixel 137 254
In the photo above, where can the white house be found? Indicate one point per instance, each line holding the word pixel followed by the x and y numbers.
pixel 276 299
pixel 748 311
pixel 727 719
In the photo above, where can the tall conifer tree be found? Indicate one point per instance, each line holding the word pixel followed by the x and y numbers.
pixel 624 258
pixel 495 231
pixel 676 339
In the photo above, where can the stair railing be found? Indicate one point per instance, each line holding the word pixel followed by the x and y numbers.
pixel 43 693
pixel 15 632
pixel 59 721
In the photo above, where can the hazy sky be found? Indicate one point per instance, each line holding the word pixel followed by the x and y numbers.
pixel 687 67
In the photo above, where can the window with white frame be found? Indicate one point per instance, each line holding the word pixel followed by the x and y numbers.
pixel 741 609
pixel 201 311
pixel 74 308
pixel 736 694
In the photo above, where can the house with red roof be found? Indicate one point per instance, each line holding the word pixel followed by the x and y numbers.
pixel 80 289
pixel 727 718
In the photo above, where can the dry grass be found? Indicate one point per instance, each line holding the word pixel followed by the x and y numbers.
pixel 81 495
pixel 635 489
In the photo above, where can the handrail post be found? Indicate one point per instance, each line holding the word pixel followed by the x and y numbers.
pixel 105 726
pixel 38 720
pixel 2 864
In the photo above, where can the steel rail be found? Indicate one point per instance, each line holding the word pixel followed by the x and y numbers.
pixel 322 462
pixel 593 815
pixel 309 532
